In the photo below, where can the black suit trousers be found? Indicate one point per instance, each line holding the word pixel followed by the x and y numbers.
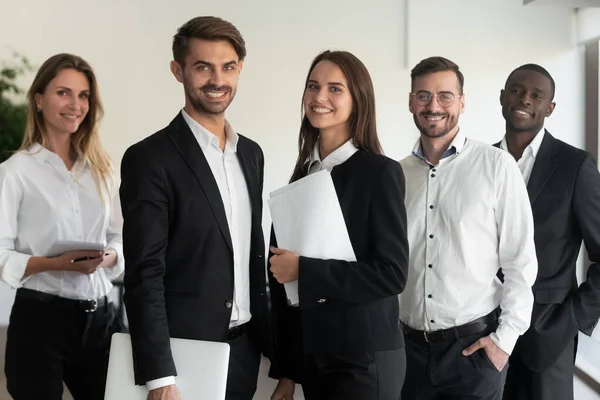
pixel 47 345
pixel 375 375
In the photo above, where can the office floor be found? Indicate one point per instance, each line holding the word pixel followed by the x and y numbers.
pixel 266 385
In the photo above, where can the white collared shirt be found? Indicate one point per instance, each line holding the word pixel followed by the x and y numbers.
pixel 468 216
pixel 527 159
pixel 228 173
pixel 42 202
pixel 336 157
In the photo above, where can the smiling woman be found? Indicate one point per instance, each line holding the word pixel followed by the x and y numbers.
pixel 58 187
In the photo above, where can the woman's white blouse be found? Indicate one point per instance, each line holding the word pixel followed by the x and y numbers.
pixel 42 202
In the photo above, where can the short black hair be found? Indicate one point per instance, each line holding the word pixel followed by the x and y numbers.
pixel 437 64
pixel 540 70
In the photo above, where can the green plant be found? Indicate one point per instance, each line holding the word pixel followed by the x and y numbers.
pixel 13 114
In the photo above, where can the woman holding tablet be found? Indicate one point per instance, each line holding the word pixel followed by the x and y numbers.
pixel 59 187
pixel 344 341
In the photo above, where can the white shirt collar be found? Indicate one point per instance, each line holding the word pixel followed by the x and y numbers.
pixel 42 154
pixel 337 157
pixel 533 148
pixel 206 138
pixel 458 143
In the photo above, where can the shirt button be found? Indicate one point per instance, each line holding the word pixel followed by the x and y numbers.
pixel 228 303
pixel 434 170
pixel 433 175
pixel 430 236
pixel 430 266
pixel 432 321
pixel 431 207
pixel 429 296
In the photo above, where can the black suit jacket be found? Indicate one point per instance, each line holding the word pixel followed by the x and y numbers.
pixel 564 190
pixel 350 307
pixel 178 252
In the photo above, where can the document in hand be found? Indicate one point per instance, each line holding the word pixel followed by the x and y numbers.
pixel 307 219
pixel 62 246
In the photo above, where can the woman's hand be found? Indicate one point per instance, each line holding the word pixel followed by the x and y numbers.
pixel 284 265
pixel 284 390
pixel 83 261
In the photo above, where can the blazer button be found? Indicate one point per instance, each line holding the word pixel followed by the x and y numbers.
pixel 260 256
pixel 228 303
pixel 321 300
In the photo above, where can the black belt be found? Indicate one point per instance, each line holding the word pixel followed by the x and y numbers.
pixel 88 305
pixel 237 331
pixel 487 322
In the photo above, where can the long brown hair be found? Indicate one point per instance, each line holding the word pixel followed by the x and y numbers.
pixel 363 129
pixel 85 140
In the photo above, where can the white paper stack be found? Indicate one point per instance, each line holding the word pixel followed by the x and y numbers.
pixel 307 219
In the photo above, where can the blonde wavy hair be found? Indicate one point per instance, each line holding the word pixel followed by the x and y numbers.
pixel 85 141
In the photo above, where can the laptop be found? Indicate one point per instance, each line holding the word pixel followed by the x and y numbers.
pixel 201 368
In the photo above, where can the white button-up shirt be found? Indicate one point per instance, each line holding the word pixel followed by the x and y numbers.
pixel 468 216
pixel 527 159
pixel 42 202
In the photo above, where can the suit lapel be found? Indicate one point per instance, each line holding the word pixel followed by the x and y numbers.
pixel 187 145
pixel 543 168
pixel 249 167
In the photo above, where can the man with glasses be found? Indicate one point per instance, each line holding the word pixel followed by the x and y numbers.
pixel 468 216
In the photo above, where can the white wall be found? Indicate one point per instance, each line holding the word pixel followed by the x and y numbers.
pixel 128 44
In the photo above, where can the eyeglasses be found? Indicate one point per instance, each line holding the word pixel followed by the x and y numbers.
pixel 444 99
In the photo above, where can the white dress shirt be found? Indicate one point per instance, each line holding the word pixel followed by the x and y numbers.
pixel 228 173
pixel 468 216
pixel 336 157
pixel 42 202
pixel 527 159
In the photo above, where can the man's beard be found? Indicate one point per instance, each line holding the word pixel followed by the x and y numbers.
pixel 450 124
pixel 207 107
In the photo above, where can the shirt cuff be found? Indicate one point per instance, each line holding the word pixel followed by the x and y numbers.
pixel 14 269
pixel 160 382
pixel 117 269
pixel 505 338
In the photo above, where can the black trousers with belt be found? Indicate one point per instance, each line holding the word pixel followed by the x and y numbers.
pixel 437 370
pixel 51 340
pixel 376 375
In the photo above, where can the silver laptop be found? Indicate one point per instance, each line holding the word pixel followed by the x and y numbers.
pixel 201 368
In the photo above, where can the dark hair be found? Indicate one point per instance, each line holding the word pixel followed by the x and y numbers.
pixel 437 64
pixel 540 70
pixel 363 129
pixel 207 28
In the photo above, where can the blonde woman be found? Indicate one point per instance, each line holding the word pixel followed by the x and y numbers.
pixel 59 186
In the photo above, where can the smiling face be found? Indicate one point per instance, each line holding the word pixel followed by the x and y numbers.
pixel 209 75
pixel 432 119
pixel 64 103
pixel 327 100
pixel 526 101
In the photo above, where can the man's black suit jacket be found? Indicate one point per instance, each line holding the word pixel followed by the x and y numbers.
pixel 564 190
pixel 349 308
pixel 179 279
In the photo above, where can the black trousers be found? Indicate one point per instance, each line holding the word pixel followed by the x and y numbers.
pixel 555 383
pixel 244 363
pixel 48 344
pixel 376 375
pixel 438 371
